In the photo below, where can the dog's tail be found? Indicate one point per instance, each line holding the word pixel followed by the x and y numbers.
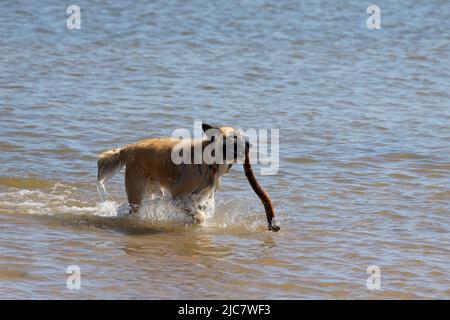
pixel 109 163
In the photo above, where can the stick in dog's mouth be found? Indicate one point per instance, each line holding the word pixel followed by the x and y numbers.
pixel 263 196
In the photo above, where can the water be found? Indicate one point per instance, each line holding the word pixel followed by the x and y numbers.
pixel 364 150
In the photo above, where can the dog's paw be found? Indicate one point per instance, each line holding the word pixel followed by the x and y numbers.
pixel 199 216
pixel 124 210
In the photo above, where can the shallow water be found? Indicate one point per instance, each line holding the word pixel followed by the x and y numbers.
pixel 364 147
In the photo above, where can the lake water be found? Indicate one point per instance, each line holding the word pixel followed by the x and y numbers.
pixel 364 120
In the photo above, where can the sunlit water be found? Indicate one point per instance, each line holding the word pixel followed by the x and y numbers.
pixel 364 118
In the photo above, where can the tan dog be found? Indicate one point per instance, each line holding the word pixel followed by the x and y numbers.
pixel 150 168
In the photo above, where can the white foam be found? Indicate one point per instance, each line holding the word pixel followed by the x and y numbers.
pixel 237 215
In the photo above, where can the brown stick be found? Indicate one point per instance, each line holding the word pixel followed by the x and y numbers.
pixel 263 196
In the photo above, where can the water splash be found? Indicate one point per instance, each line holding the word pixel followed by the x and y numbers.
pixel 64 201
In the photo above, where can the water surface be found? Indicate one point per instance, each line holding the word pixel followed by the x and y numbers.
pixel 364 150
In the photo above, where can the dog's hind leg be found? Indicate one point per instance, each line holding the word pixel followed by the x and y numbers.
pixel 135 187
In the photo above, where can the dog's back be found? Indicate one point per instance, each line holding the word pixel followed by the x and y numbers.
pixel 149 158
pixel 149 167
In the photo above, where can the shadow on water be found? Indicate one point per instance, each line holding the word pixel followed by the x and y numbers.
pixel 124 225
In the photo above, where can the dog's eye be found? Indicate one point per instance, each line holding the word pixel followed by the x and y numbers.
pixel 213 138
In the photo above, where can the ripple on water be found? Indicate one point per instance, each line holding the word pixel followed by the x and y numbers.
pixel 364 152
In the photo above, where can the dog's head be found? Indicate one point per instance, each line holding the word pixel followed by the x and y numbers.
pixel 226 144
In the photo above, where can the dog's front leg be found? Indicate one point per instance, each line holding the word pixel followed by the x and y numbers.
pixel 134 208
pixel 193 210
pixel 186 189
pixel 198 215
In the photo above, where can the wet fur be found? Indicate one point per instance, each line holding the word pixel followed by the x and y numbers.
pixel 149 170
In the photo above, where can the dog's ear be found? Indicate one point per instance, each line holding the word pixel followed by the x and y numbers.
pixel 206 127
pixel 209 130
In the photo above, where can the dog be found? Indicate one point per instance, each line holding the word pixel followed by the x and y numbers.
pixel 150 169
